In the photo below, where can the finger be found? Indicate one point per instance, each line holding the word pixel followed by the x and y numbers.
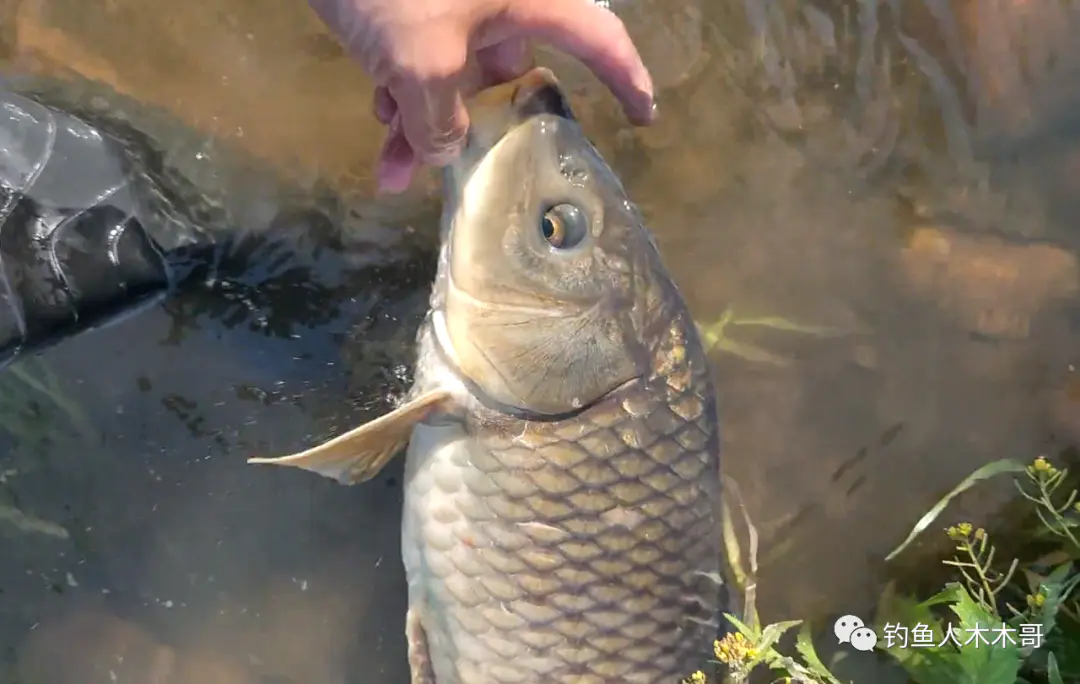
pixel 504 61
pixel 596 37
pixel 329 11
pixel 397 160
pixel 351 25
pixel 433 116
pixel 384 105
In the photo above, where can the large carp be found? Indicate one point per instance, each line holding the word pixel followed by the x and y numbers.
pixel 562 483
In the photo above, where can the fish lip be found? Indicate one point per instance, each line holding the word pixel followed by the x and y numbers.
pixel 445 352
pixel 499 110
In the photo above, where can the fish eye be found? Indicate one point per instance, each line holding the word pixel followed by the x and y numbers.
pixel 564 226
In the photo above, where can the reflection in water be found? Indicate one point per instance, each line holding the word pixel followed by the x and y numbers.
pixel 902 175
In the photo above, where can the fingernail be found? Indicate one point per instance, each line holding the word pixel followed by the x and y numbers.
pixel 643 81
pixel 643 115
pixel 646 112
pixel 393 179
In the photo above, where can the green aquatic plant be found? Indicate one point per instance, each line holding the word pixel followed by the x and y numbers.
pixel 974 559
pixel 35 408
pixel 1044 482
pixel 1039 639
pixel 1020 617
pixel 751 645
pixel 1004 466
pixel 715 335
pixel 945 655
pixel 35 414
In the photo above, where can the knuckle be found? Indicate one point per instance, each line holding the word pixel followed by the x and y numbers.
pixel 427 60
pixel 441 144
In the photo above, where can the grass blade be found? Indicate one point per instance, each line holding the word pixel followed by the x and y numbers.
pixel 1005 465
pixel 804 644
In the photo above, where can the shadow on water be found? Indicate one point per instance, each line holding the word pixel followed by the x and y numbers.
pixel 878 198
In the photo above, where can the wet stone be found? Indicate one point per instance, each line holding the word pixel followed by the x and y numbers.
pixel 988 285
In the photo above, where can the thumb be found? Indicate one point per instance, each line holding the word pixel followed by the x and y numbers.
pixel 504 61
pixel 596 37
pixel 428 96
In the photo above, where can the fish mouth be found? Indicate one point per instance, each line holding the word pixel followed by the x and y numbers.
pixel 498 110
pixel 535 92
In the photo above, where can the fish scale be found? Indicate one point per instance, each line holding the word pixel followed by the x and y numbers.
pixel 584 550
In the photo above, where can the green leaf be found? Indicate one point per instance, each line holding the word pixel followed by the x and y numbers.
pixel 1056 588
pixel 991 665
pixel 952 593
pixel 930 665
pixel 1064 644
pixel 769 636
pixel 1006 465
pixel 947 663
pixel 1053 674
pixel 752 634
pixel 898 609
pixel 804 644
pixel 984 662
pixel 925 665
pixel 971 612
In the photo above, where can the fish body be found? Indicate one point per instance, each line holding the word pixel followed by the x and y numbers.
pixel 562 490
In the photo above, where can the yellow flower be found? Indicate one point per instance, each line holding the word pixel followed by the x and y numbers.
pixel 1041 469
pixel 696 678
pixel 980 534
pixel 1036 600
pixel 734 650
pixel 959 533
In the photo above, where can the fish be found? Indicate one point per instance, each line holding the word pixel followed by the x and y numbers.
pixel 562 487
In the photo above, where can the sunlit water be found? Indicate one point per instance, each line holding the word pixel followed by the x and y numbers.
pixel 890 188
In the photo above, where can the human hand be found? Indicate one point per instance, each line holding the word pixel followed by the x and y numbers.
pixel 427 56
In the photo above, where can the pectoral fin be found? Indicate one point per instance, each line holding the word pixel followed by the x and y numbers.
pixel 359 455
pixel 419 652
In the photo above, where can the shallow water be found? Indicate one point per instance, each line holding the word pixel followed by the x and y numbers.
pixel 897 179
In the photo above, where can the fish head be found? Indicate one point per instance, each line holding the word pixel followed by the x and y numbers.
pixel 549 275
